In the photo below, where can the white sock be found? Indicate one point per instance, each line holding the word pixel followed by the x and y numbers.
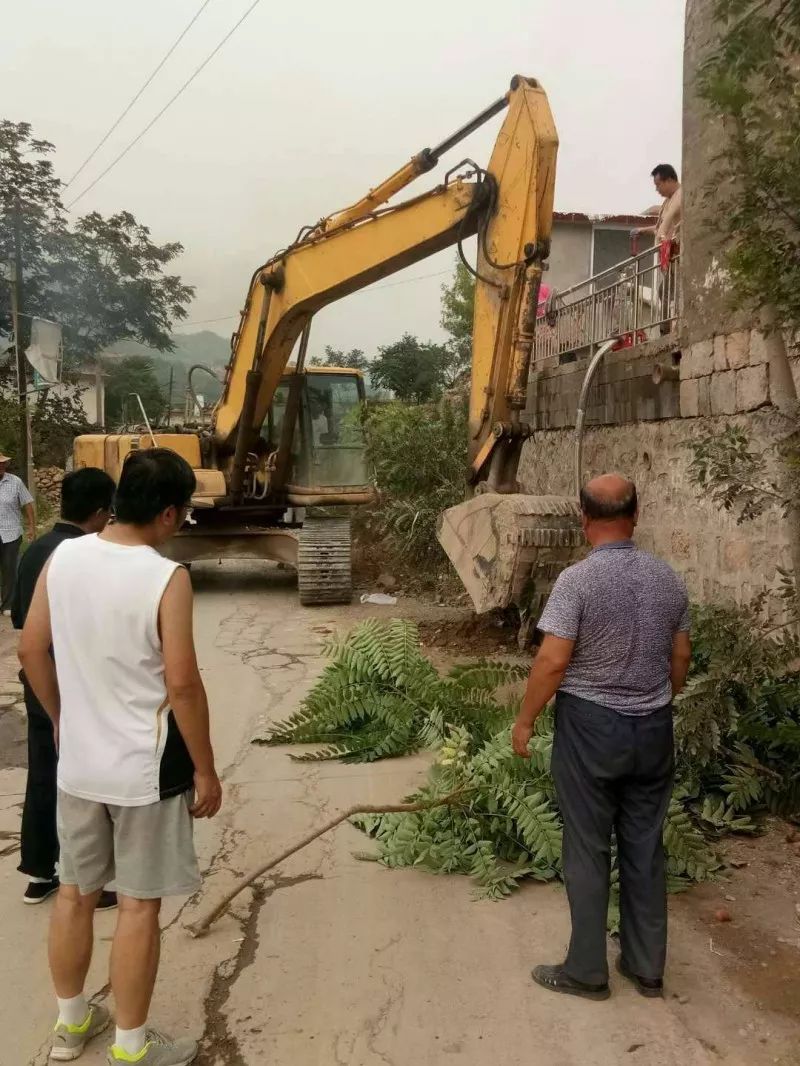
pixel 131 1041
pixel 73 1011
pixel 41 880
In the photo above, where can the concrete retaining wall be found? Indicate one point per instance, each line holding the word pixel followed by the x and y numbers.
pixel 718 558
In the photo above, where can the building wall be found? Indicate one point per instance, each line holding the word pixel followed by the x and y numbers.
pixel 570 254
pixel 91 393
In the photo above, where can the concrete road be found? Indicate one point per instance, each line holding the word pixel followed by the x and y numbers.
pixel 334 961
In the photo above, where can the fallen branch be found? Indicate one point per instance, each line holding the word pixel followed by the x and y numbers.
pixel 202 925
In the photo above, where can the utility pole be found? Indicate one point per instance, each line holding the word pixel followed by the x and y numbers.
pixel 26 458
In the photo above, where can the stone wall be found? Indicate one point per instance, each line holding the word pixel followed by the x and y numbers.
pixel 718 558
pixel 636 384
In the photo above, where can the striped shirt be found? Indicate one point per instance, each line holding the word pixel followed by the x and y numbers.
pixel 13 497
pixel 622 607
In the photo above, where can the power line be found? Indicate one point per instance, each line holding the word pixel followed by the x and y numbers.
pixel 168 104
pixel 362 292
pixel 111 129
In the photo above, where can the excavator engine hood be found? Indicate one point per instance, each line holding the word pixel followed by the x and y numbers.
pixel 509 549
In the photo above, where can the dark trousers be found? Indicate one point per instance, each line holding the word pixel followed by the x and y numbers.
pixel 39 843
pixel 613 772
pixel 9 556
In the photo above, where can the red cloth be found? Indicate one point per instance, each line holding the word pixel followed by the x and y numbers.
pixel 667 251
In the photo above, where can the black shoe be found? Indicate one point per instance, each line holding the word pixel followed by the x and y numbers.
pixel 555 979
pixel 39 891
pixel 651 987
pixel 107 901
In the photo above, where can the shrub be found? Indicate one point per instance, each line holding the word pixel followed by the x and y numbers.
pixel 419 456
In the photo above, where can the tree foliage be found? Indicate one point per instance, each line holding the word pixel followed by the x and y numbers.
pixel 419 458
pixel 737 737
pixel 56 419
pixel 752 82
pixel 102 278
pixel 132 374
pixel 458 309
pixel 379 698
pixel 354 359
pixel 740 479
pixel 415 371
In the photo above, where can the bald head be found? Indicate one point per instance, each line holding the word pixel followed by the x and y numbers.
pixel 609 498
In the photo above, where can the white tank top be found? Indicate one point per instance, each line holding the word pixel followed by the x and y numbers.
pixel 118 740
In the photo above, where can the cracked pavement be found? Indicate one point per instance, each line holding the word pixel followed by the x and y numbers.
pixel 331 961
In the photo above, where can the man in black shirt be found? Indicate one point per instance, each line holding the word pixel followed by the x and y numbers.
pixel 86 498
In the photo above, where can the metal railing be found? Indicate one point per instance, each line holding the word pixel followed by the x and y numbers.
pixel 637 300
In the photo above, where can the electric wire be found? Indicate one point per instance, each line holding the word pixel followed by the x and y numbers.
pixel 166 106
pixel 122 115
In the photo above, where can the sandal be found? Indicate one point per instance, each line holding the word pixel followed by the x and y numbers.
pixel 555 979
pixel 650 987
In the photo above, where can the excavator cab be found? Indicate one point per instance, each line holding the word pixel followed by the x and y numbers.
pixel 328 450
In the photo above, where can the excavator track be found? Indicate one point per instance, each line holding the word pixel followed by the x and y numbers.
pixel 324 566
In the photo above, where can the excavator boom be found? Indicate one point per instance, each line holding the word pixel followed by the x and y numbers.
pixel 265 459
pixel 509 205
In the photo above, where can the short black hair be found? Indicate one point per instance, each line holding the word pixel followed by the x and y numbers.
pixel 151 481
pixel 84 492
pixel 605 509
pixel 665 171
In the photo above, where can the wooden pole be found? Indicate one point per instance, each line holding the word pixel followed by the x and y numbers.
pixel 17 302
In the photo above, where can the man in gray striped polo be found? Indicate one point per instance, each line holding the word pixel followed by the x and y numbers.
pixel 616 650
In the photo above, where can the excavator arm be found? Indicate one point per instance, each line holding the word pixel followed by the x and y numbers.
pixel 509 205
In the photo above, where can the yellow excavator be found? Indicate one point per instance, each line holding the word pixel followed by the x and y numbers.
pixel 283 461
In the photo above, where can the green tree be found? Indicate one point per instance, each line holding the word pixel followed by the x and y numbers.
pixel 458 309
pixel 102 278
pixel 414 371
pixel 419 455
pixel 752 83
pixel 133 374
pixel 353 360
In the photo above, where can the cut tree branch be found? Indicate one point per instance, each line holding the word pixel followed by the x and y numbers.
pixel 201 926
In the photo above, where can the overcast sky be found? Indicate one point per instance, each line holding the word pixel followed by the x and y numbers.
pixel 313 101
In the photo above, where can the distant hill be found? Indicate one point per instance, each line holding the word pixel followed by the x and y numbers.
pixel 204 347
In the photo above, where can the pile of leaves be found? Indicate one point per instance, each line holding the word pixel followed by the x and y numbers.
pixel 379 698
pixel 737 731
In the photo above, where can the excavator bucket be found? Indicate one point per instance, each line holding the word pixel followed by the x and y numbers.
pixel 509 549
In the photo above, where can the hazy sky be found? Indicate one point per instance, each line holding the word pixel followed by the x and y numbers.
pixel 313 101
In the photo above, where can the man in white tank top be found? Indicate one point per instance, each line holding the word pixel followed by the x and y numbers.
pixel 135 758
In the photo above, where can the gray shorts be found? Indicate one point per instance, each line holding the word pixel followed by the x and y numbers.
pixel 148 851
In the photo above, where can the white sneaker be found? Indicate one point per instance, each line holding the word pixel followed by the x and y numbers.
pixel 159 1050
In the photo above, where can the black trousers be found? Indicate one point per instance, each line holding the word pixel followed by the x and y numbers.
pixel 39 841
pixel 9 556
pixel 613 772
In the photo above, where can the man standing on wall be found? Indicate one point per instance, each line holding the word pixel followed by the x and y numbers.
pixel 15 501
pixel 666 234
pixel 135 758
pixel 616 649
pixel 86 498
pixel 668 221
